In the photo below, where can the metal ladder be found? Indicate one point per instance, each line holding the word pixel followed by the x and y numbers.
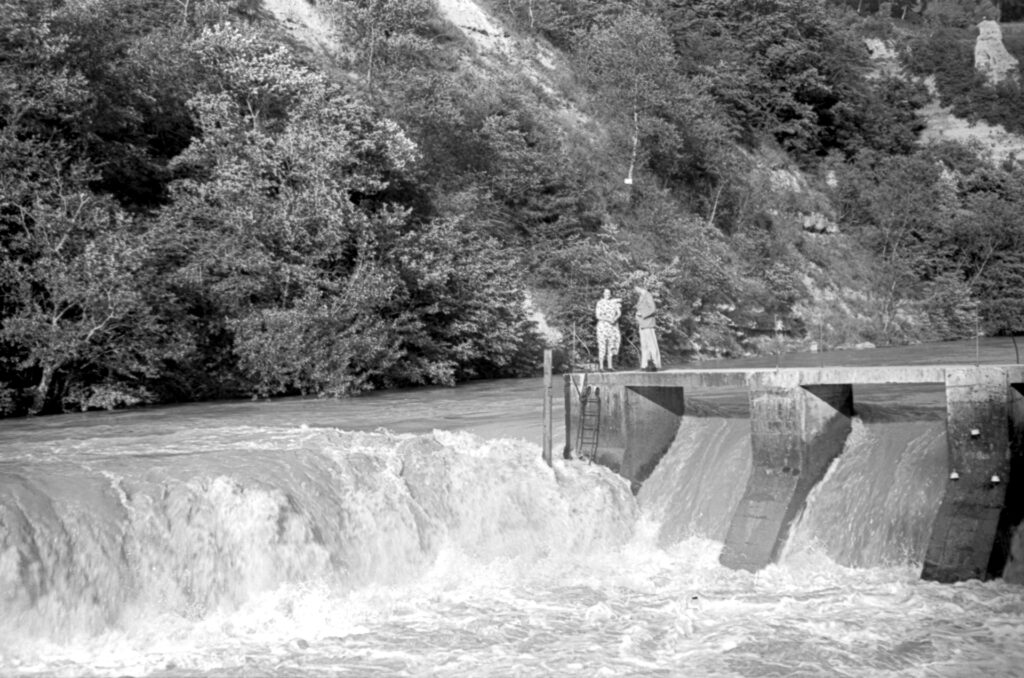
pixel 590 423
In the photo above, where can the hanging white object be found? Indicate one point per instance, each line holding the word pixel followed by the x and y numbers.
pixel 954 476
pixel 636 139
pixel 995 479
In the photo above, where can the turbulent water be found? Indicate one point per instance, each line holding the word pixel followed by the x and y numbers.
pixel 205 546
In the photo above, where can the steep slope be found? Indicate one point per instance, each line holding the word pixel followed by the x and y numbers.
pixel 941 125
pixel 305 23
pixel 471 19
pixel 992 141
pixel 783 194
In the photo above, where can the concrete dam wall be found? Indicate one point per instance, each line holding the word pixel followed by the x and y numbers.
pixel 799 422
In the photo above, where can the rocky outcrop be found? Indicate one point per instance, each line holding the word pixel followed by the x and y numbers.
pixel 305 23
pixel 816 222
pixel 991 58
pixel 470 18
pixel 992 141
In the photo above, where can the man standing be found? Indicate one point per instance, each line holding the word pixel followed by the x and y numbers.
pixel 650 356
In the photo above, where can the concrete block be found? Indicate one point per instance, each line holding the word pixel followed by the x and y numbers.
pixel 652 418
pixel 795 435
pixel 978 425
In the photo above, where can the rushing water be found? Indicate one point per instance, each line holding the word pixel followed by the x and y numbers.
pixel 419 533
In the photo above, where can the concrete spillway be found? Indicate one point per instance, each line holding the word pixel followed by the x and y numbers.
pixel 799 421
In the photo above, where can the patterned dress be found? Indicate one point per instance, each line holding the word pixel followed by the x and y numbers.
pixel 608 336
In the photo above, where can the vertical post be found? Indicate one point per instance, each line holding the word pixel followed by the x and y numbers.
pixel 567 398
pixel 547 406
pixel 821 347
pixel 977 344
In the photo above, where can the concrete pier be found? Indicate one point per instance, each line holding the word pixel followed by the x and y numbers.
pixel 799 421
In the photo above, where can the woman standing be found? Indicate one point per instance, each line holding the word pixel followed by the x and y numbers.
pixel 607 312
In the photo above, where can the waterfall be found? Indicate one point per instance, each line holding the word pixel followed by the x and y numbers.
pixel 91 539
pixel 875 507
pixel 878 501
pixel 697 486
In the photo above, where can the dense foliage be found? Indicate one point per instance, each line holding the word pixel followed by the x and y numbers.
pixel 220 220
pixel 195 205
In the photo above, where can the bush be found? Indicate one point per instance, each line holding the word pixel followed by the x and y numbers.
pixel 105 396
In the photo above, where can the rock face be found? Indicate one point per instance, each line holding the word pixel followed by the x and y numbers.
pixel 471 19
pixel 305 23
pixel 816 222
pixel 990 56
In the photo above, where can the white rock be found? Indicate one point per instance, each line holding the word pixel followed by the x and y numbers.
pixel 991 57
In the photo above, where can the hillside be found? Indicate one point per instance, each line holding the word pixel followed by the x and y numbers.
pixel 940 122
pixel 234 197
pixel 499 49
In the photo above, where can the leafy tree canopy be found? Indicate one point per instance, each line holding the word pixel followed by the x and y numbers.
pixel 192 205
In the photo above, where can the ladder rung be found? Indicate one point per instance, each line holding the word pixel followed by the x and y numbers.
pixel 589 426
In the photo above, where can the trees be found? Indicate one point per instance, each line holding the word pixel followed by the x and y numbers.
pixel 467 296
pixel 1010 10
pixel 946 235
pixel 385 33
pixel 985 239
pixel 295 250
pixel 133 60
pixel 285 227
pixel 192 208
pixel 82 309
pixel 898 207
pixel 675 128
pixel 77 311
pixel 562 21
pixel 265 227
pixel 632 59
pixel 778 67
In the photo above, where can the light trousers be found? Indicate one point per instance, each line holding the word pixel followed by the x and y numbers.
pixel 649 348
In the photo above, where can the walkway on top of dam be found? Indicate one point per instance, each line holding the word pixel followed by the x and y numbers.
pixel 744 377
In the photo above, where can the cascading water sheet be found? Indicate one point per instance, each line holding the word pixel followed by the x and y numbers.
pixel 697 486
pixel 92 538
pixel 878 501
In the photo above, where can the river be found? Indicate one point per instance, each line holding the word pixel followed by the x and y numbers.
pixel 418 533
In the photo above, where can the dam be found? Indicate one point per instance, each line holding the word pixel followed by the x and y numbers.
pixel 800 419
